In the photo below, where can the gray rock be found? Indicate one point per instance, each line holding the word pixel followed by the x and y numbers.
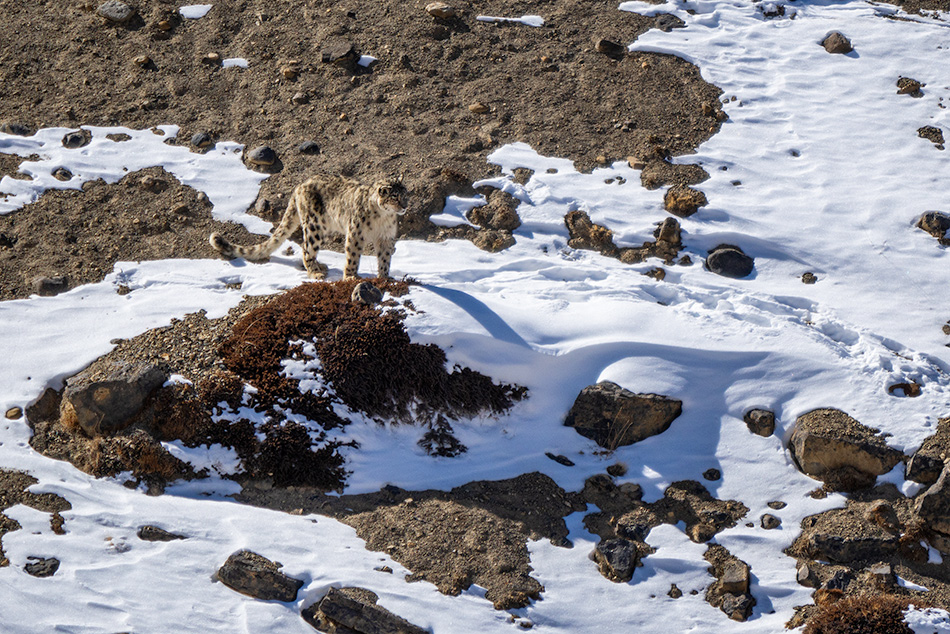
pixel 729 261
pixel 62 174
pixel 613 416
pixel 308 147
pixel 340 53
pixel 770 522
pixel 865 546
pixel 366 293
pixel 734 577
pixel 730 591
pixel 441 10
pixel 42 567
pixel 839 581
pixel 11 127
pixel 201 139
pixel 354 610
pixel 830 446
pixel 933 507
pixel 258 577
pixel 935 223
pixel 76 139
pixel 149 533
pixel 105 398
pixel 609 47
pixel 617 559
pixel 737 607
pixel 778 505
pixel 262 155
pixel 760 422
pixel 837 43
pixel 115 11
pixel 806 576
pixel 49 286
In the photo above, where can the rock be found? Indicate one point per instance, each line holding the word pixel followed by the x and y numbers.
pixel 730 591
pixel 609 47
pixel 666 22
pixel 49 286
pixel 498 214
pixel 42 567
pixel 908 86
pixel 300 98
pixel 18 129
pixel 806 576
pixel 830 446
pixel 104 399
pixel 778 505
pixel 290 71
pixel 882 573
pixel 729 261
pixel 212 59
pixel 837 43
pixel 839 581
pixel 201 139
pixel 936 223
pixel 809 278
pixel 734 577
pixel 493 241
pixel 479 108
pixel 701 532
pixel 617 559
pixel 76 139
pixel 933 507
pixel 668 232
pixel 927 462
pixel 340 53
pixel 14 413
pixel 584 234
pixel 142 60
pixel 683 201
pixel 737 607
pixel 149 533
pixel 760 422
pixel 441 10
pixel 932 134
pixel 675 592
pixel 613 416
pixel 770 522
pixel 62 174
pixel 262 155
pixel 354 610
pixel 712 474
pixel 562 460
pixel 863 545
pixel 909 389
pixel 258 577
pixel 115 11
pixel 308 147
pixel 366 293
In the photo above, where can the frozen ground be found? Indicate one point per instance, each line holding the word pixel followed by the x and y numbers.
pixel 818 169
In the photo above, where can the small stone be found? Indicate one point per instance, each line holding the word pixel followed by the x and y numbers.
pixel 10 127
pixel 760 422
pixel 936 223
pixel 441 10
pixel 563 460
pixel 385 569
pixel 115 11
pixel 290 72
pixel 340 53
pixel 809 278
pixel 729 261
pixel 74 140
pixel 712 474
pixel 201 139
pixel 609 47
pixel 806 576
pixel 300 98
pixel 601 159
pixel 636 163
pixel 258 577
pixel 908 86
pixel 770 522
pixel 14 413
pixel 213 59
pixel 479 108
pixel 932 134
pixel 165 25
pixel 910 389
pixel 308 147
pixel 701 532
pixel 683 201
pixel 62 174
pixel 883 573
pixel 674 593
pixel 42 567
pixel 48 286
pixel 839 580
pixel 617 559
pixel 152 184
pixel 262 155
pixel 142 61
pixel 617 470
pixel 366 293
pixel 837 43
pixel 777 505
pixel 151 533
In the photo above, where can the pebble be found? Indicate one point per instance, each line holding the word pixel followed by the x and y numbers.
pixel 712 474
pixel 479 108
pixel 770 522
pixel 837 43
pixel 340 53
pixel 14 413
pixel 62 174
pixel 636 163
pixel 308 147
pixel 366 293
pixel 212 58
pixel 290 72
pixel 75 140
pixel 262 155
pixel 809 278
pixel 115 11
pixel 440 10
pixel 142 61
pixel 18 129
pixel 777 505
pixel 201 139
pixel 300 98
pixel 165 25
pixel 609 47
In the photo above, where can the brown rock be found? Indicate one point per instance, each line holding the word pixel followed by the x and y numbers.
pixel 609 47
pixel 354 611
pixel 770 522
pixel 927 462
pixel 587 235
pixel 935 223
pixel 908 86
pixel 498 214
pixel 613 416
pixel 493 241
pixel 933 507
pixel 683 201
pixel 104 398
pixel 14 413
pixel 149 533
pixel 441 10
pixel 830 446
pixel 932 134
pixel 258 577
pixel 479 108
pixel 837 43
pixel 760 422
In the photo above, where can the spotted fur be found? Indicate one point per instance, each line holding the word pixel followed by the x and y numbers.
pixel 333 204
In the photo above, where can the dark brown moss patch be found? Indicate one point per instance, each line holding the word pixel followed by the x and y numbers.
pixel 880 614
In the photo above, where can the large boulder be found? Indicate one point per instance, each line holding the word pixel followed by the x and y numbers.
pixel 933 508
pixel 613 416
pixel 730 591
pixel 830 446
pixel 258 577
pixel 927 462
pixel 105 397
pixel 354 610
pixel 729 260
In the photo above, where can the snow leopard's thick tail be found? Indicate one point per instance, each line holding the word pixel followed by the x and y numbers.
pixel 288 224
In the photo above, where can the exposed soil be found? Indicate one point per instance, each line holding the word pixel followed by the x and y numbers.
pixel 13 491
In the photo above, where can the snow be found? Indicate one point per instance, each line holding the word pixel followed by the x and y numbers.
pixel 527 20
pixel 234 62
pixel 832 178
pixel 194 11
pixel 928 620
